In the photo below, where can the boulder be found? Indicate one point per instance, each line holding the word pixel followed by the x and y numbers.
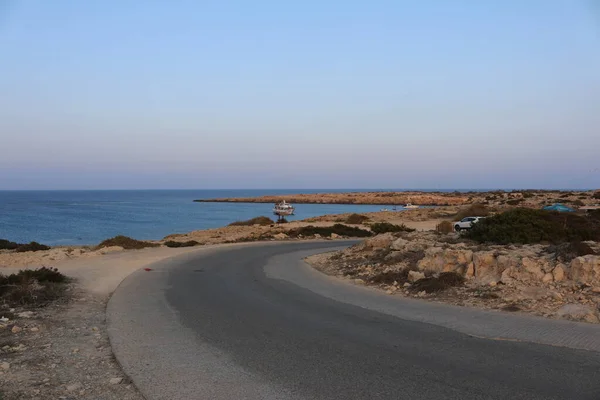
pixel 438 259
pixel 280 236
pixel 379 242
pixel 532 269
pixel 585 269
pixel 414 276
pixel 399 244
pixel 486 267
pixel 559 272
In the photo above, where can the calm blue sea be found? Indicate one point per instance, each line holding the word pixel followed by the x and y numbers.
pixel 88 217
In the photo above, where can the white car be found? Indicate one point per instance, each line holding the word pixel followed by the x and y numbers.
pixel 466 223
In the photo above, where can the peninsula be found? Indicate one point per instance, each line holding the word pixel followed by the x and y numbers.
pixel 374 198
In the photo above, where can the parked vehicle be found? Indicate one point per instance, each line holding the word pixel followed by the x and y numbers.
pixel 466 223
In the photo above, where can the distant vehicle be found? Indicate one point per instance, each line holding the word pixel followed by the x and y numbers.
pixel 466 223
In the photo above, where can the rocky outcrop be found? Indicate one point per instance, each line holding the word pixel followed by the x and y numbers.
pixel 528 277
pixel 585 269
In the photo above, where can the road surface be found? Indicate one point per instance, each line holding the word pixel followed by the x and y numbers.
pixel 254 322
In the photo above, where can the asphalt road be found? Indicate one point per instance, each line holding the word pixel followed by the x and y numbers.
pixel 218 326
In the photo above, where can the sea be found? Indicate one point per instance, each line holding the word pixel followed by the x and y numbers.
pixel 88 217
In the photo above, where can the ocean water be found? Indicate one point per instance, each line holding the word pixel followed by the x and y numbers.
pixel 88 217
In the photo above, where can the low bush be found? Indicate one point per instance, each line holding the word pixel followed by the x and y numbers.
pixel 20 247
pixel 254 221
pixel 338 229
pixel 189 243
pixel 8 245
pixel 434 284
pixel 33 246
pixel 525 226
pixel 444 227
pixel 514 202
pixel 596 195
pixel 385 227
pixel 126 243
pixel 578 203
pixel 474 210
pixel 33 287
pixel 356 219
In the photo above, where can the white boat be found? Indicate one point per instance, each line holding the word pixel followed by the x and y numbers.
pixel 410 206
pixel 283 209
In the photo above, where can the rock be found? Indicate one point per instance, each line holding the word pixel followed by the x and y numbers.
pixel 4 366
pixel 399 244
pixel 73 387
pixel 575 312
pixel 596 289
pixel 115 381
pixel 34 329
pixel 16 329
pixel 438 259
pixel 380 241
pixel 470 272
pixel 317 236
pixel 533 268
pixel 25 314
pixel 592 319
pixel 414 276
pixel 335 235
pixel 585 269
pixel 359 281
pixel 486 267
pixel 278 236
pixel 548 278
pixel 559 273
pixel 406 285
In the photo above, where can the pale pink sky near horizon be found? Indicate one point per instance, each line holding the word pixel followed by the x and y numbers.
pixel 348 94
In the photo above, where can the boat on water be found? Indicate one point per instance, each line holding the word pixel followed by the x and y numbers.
pixel 283 209
pixel 410 206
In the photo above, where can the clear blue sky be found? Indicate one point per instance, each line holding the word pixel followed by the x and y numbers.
pixel 311 94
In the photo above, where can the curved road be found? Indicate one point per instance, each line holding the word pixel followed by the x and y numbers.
pixel 253 322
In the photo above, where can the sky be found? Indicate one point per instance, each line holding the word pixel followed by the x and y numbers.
pixel 134 94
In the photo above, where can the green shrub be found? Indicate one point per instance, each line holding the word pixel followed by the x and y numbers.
pixel 444 227
pixel 20 247
pixel 527 195
pixel 385 227
pixel 126 243
pixel 254 221
pixel 8 245
pixel 189 243
pixel 338 229
pixel 596 195
pixel 356 219
pixel 523 225
pixel 33 246
pixel 514 202
pixel 474 210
